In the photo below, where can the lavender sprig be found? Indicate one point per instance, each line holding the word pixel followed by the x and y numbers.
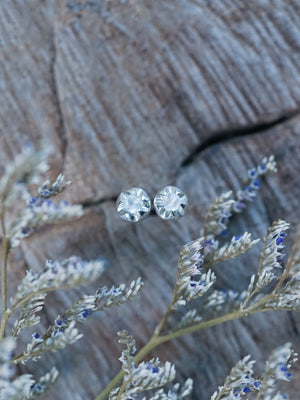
pixel 26 168
pixel 47 189
pixel 248 193
pixel 191 281
pixel 232 249
pixel 28 316
pixel 144 376
pixel 190 318
pixel 239 382
pixel 39 213
pixel 44 383
pixel 23 387
pixel 271 258
pixel 55 339
pixel 218 215
pixel 101 300
pixel 57 275
pixel 277 368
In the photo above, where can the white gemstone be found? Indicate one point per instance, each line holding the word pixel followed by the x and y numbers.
pixel 133 204
pixel 170 203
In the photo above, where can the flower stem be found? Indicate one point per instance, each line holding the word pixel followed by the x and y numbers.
pixel 4 254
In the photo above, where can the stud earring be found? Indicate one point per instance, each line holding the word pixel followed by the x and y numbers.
pixel 133 204
pixel 170 203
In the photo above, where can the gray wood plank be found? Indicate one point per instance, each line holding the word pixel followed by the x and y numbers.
pixel 127 94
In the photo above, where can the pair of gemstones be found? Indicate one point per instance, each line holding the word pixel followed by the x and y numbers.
pixel 135 204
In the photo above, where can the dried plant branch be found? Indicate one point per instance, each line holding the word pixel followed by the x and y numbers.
pixel 194 280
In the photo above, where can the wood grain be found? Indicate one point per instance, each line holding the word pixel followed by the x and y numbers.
pixel 150 93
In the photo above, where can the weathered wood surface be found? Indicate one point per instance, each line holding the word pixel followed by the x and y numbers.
pixel 146 93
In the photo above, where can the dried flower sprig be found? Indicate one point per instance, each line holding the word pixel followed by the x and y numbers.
pixel 240 381
pixel 38 214
pixel 144 376
pixel 54 339
pixel 41 211
pixel 28 316
pixel 238 245
pixel 44 383
pixel 25 169
pixel 277 368
pixel 103 299
pixel 271 257
pixel 218 215
pixel 70 273
pixel 23 387
pixel 47 189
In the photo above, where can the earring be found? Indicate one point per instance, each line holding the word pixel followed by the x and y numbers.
pixel 133 204
pixel 170 203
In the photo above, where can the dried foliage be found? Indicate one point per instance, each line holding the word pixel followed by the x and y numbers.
pixel 275 286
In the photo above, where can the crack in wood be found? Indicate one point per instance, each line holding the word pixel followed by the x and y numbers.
pixel 226 135
pixel 218 138
pixel 57 101
pixel 97 202
pixel 294 324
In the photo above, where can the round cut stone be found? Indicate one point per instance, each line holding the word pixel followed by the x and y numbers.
pixel 170 203
pixel 134 204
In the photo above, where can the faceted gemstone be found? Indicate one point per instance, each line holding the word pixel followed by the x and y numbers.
pixel 134 204
pixel 170 203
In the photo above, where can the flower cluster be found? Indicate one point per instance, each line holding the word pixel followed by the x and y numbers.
pixel 223 301
pixel 271 257
pixel 28 316
pixel 288 295
pixel 231 249
pixel 218 215
pixel 100 301
pixel 144 376
pixel 190 318
pixel 277 368
pixel 44 383
pixel 58 275
pixel 25 169
pixel 38 213
pixel 48 189
pixel 239 382
pixel 191 281
pixel 53 340
pixel 248 193
pixel 23 387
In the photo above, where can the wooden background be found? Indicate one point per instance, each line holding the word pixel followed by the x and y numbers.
pixel 149 93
